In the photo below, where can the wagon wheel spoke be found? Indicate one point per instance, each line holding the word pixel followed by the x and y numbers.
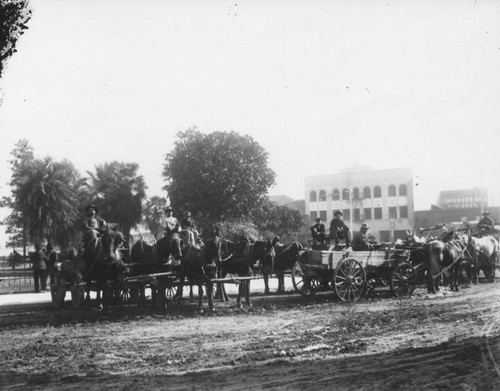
pixel 349 280
pixel 403 280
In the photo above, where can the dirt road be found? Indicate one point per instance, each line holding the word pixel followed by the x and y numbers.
pixel 447 341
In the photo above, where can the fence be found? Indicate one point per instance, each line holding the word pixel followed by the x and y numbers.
pixel 17 277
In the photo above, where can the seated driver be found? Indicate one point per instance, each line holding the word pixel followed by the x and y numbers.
pixel 360 239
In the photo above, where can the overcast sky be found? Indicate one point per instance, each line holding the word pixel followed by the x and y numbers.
pixel 321 85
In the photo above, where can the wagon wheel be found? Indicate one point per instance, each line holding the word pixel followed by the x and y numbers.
pixel 57 289
pixel 314 285
pixel 349 280
pixel 403 280
pixel 299 281
pixel 77 296
pixel 171 290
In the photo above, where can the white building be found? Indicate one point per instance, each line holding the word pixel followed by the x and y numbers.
pixel 381 198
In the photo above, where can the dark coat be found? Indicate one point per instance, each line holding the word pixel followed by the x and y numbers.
pixel 39 259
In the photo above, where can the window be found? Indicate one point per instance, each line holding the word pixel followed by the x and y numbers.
pixel 322 214
pixel 367 193
pixel 392 191
pixel 336 195
pixel 356 216
pixel 312 196
pixel 368 213
pixel 385 236
pixel 403 190
pixel 322 196
pixel 377 213
pixel 403 212
pixel 377 192
pixel 313 215
pixel 345 194
pixel 355 194
pixel 346 215
pixel 393 211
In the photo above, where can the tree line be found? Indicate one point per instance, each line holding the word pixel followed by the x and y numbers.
pixel 222 178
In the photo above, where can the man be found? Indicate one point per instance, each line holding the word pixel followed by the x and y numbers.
pixel 39 259
pixel 318 231
pixel 188 224
pixel 360 241
pixel 486 224
pixel 93 225
pixel 339 230
pixel 172 224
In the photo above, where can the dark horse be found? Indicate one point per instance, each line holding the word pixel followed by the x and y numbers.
pixel 157 258
pixel 103 263
pixel 241 263
pixel 199 266
pixel 285 258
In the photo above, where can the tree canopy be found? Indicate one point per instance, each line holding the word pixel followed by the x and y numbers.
pixel 221 175
pixel 278 219
pixel 44 195
pixel 14 16
pixel 118 192
pixel 153 213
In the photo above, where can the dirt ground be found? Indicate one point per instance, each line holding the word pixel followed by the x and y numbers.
pixel 440 342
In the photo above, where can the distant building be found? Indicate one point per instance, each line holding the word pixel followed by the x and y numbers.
pixel 455 206
pixel 381 198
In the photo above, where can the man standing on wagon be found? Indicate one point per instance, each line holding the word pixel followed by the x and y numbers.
pixel 339 230
pixel 486 224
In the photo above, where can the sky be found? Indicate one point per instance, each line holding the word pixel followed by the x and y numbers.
pixel 321 85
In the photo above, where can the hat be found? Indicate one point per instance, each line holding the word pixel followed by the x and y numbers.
pixel 338 212
pixel 91 206
pixel 168 208
pixel 49 246
pixel 485 213
pixel 365 226
pixel 318 219
pixel 188 214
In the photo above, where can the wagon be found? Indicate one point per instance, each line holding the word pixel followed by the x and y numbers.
pixel 351 274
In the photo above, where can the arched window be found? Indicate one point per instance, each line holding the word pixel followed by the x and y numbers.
pixel 377 192
pixel 345 194
pixel 355 194
pixel 322 195
pixel 335 195
pixel 367 192
pixel 392 191
pixel 312 196
pixel 403 190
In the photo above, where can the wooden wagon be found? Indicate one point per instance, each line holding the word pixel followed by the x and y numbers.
pixel 351 274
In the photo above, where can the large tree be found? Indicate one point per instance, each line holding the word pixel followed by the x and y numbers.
pixel 278 219
pixel 219 176
pixel 44 195
pixel 118 192
pixel 14 16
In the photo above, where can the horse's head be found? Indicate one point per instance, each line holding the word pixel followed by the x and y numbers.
pixel 213 249
pixel 111 240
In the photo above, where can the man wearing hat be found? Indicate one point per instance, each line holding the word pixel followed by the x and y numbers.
pixel 172 224
pixel 188 224
pixel 39 259
pixel 339 230
pixel 486 224
pixel 318 231
pixel 360 240
pixel 93 225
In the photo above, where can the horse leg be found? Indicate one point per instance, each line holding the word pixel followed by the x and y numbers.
pixel 240 292
pixel 247 293
pixel 266 282
pixel 210 289
pixel 191 294
pixel 200 296
pixel 281 282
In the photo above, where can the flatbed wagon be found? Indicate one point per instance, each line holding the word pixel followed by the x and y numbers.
pixel 351 274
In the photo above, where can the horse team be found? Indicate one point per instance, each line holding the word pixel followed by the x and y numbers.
pixel 107 266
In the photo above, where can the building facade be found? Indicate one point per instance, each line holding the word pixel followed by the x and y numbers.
pixel 381 198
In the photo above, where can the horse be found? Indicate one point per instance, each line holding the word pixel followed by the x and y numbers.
pixel 151 259
pixel 242 262
pixel 485 254
pixel 103 263
pixel 199 265
pixel 283 260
